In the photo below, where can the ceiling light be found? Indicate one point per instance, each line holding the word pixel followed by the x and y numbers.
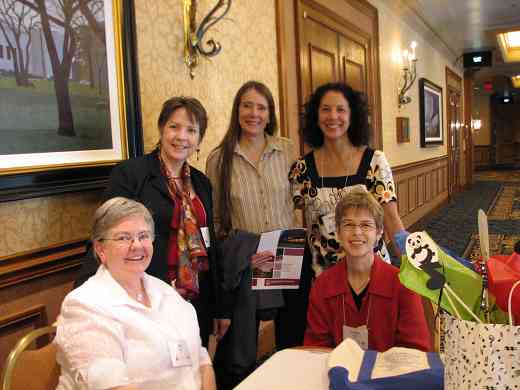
pixel 509 43
pixel 516 81
pixel 513 39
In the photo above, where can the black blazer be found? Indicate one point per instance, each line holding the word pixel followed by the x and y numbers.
pixel 141 179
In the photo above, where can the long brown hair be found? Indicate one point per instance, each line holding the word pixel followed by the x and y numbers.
pixel 227 148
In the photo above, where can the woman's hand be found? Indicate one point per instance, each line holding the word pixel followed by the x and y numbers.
pixel 220 327
pixel 263 260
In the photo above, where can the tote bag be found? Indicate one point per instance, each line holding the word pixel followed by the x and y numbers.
pixel 480 356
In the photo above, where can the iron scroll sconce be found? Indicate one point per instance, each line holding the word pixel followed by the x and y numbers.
pixel 194 36
pixel 409 74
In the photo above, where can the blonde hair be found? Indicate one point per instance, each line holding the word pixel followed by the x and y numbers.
pixel 358 198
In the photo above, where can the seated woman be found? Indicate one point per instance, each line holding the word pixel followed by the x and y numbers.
pixel 361 297
pixel 124 329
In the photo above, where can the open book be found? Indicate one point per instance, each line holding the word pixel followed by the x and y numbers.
pixel 282 270
pixel 351 368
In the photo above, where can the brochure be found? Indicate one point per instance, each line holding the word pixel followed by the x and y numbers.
pixel 281 267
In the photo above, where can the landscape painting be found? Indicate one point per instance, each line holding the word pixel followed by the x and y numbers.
pixel 61 94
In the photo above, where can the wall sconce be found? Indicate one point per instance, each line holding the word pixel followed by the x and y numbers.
pixel 409 74
pixel 194 36
pixel 476 124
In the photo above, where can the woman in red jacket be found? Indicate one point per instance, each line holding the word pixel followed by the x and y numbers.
pixel 361 297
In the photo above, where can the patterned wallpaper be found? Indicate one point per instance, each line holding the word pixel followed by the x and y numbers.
pixel 36 223
pixel 248 38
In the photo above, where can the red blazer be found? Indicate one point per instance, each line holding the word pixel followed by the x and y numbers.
pixel 396 313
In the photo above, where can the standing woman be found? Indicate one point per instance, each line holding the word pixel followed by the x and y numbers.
pixel 336 127
pixel 248 171
pixel 180 199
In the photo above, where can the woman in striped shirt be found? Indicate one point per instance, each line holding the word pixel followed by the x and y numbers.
pixel 248 172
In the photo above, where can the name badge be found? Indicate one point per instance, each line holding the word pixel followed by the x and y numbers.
pixel 179 353
pixel 329 222
pixel 359 335
pixel 204 231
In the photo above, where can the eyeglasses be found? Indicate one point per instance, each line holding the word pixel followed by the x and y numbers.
pixel 126 239
pixel 364 226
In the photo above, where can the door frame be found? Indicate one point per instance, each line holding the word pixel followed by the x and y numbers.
pixel 453 84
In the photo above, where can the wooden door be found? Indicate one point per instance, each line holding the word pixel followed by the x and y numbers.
pixel 454 143
pixel 332 49
pixel 455 134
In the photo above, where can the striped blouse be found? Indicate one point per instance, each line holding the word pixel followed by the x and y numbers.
pixel 261 196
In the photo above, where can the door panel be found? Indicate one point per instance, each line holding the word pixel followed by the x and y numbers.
pixel 354 75
pixel 319 52
pixel 322 66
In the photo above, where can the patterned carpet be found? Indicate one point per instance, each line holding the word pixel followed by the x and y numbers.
pixel 455 225
pixel 503 215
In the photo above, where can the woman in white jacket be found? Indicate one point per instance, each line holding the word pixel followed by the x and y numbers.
pixel 124 329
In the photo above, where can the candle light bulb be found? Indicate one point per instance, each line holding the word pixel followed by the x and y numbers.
pixel 413 45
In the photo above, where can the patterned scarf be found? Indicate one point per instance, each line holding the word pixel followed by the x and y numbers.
pixel 190 256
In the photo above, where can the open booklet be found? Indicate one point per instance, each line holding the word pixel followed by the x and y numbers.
pixel 284 268
pixel 351 368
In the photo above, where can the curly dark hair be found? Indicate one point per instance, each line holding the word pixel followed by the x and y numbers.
pixel 359 130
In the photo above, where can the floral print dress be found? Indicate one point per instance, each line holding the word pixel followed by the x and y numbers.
pixel 318 197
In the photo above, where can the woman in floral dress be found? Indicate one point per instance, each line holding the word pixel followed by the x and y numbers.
pixel 337 128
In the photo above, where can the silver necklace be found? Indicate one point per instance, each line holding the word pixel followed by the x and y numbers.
pixel 322 171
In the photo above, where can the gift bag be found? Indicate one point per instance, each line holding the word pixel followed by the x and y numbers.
pixel 480 356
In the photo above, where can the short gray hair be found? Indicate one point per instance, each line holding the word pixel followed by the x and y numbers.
pixel 113 211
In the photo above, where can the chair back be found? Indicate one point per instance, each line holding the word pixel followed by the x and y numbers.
pixel 32 369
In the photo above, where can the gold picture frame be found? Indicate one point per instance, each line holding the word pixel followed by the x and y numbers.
pixel 57 141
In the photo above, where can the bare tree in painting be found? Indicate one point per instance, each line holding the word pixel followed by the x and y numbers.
pixel 63 13
pixel 91 47
pixel 91 9
pixel 19 20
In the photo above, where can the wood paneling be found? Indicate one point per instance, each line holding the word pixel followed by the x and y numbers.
pixel 482 156
pixel 421 187
pixel 32 288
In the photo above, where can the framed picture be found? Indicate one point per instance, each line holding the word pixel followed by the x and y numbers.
pixel 431 113
pixel 69 95
pixel 402 129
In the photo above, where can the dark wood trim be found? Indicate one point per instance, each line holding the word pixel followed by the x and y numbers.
pixel 35 315
pixel 29 265
pixel 336 18
pixel 282 70
pixel 417 164
pixel 298 62
pixel 363 6
pixel 468 109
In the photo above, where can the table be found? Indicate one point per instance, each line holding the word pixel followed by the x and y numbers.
pixel 293 368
